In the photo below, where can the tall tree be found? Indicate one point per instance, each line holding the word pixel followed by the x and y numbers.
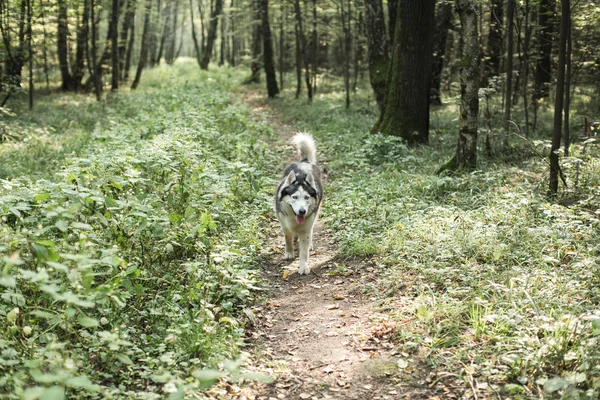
pixel 114 40
pixel 30 47
pixel 559 99
pixel 171 38
pixel 255 63
pixel 509 68
pixel 443 22
pixel 197 48
pixel 96 75
pixel 406 109
pixel 346 49
pixel 63 46
pixel 494 47
pixel 378 48
pixel 144 46
pixel 15 54
pixel 127 29
pixel 272 88
pixel 392 15
pixel 301 47
pixel 212 33
pixel 466 150
pixel 543 70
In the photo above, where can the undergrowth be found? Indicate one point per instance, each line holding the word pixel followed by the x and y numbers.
pixel 129 259
pixel 490 280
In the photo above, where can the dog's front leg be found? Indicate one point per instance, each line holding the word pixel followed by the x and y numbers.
pixel 304 243
pixel 289 244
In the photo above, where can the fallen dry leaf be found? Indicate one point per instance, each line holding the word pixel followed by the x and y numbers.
pixel 338 297
pixel 286 273
pixel 333 307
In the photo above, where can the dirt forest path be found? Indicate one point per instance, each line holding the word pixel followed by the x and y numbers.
pixel 318 335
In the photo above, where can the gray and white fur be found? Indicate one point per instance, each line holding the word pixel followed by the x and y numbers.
pixel 298 199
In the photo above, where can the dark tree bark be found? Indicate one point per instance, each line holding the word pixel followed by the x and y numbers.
pixel 559 99
pixel 526 68
pixel 172 35
pixel 378 48
pixel 443 22
pixel 492 64
pixel 406 109
pixel 393 17
pixel 272 88
pixel 114 40
pixel 466 150
pixel 194 37
pixel 567 107
pixel 546 22
pixel 127 29
pixel 44 44
pixel 165 32
pixel 130 46
pixel 29 30
pixel 509 68
pixel 234 42
pixel 153 35
pixel 145 48
pixel 298 59
pixel 97 74
pixel 82 40
pixel 15 55
pixel 255 64
pixel 63 47
pixel 212 33
pixel 345 16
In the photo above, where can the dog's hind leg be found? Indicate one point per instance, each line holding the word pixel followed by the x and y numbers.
pixel 289 244
pixel 304 242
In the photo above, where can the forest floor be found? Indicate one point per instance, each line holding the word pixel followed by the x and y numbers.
pixel 318 335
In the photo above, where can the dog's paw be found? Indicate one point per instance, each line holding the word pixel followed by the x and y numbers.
pixel 289 256
pixel 304 269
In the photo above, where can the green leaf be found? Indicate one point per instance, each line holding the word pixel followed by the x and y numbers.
pixel 62 225
pixel 80 225
pixel 83 382
pixel 552 385
pixel 53 393
pixel 8 281
pixel 123 358
pixel 41 197
pixel 40 252
pixel 87 321
pixel 33 393
pixel 207 377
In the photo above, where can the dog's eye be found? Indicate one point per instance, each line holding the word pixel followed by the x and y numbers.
pixel 305 197
pixel 295 197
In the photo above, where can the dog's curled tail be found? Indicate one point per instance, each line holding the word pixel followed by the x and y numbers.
pixel 305 143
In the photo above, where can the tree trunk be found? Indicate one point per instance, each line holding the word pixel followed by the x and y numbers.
pixel 272 89
pixel 255 64
pixel 144 46
pixel 494 40
pixel 165 32
pixel 127 27
pixel 171 38
pixel 234 43
pixel 82 40
pixel 44 44
pixel 194 37
pixel 378 48
pixel 298 59
pixel 29 29
pixel 345 16
pixel 114 22
pixel 443 22
pixel 212 33
pixel 63 47
pixel 406 109
pixel 509 69
pixel 558 100
pixel 567 129
pixel 526 68
pixel 393 17
pixel 97 74
pixel 153 35
pixel 466 150
pixel 543 69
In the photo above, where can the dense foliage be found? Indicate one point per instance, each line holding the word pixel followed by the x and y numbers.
pixel 483 275
pixel 129 265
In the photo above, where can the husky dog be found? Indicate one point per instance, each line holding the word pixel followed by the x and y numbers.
pixel 298 199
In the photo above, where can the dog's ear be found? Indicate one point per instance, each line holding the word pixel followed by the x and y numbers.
pixel 291 178
pixel 310 179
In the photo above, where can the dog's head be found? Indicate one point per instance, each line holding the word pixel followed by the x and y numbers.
pixel 299 191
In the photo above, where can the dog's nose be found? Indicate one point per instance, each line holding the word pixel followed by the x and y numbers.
pixel 302 211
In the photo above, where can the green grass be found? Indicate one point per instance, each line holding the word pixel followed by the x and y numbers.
pixel 488 272
pixel 130 238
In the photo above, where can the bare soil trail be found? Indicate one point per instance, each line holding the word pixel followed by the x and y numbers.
pixel 320 335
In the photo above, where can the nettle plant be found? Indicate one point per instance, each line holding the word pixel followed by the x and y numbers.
pixel 130 270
